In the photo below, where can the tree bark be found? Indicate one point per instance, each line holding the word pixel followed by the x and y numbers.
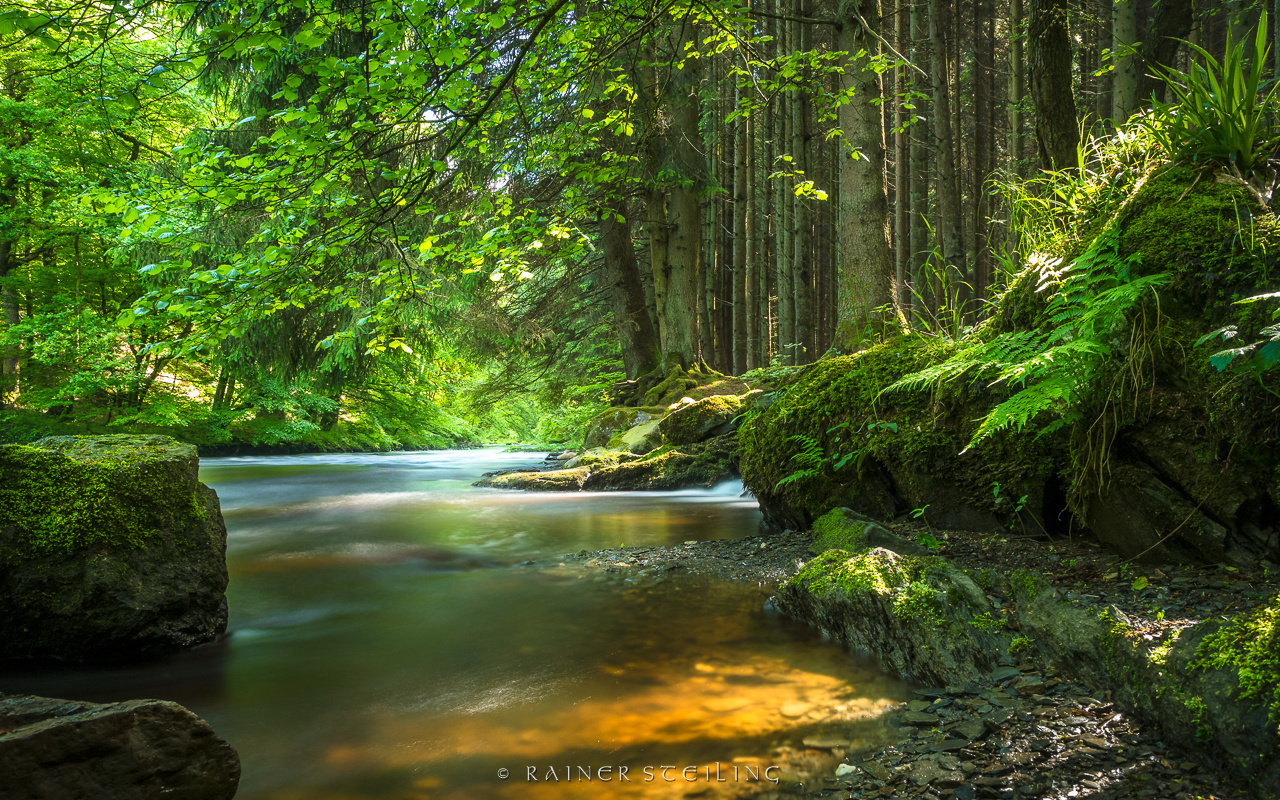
pixel 1017 85
pixel 639 342
pixel 802 211
pixel 919 191
pixel 9 300
pixel 1124 38
pixel 1171 21
pixel 1102 106
pixel 864 202
pixel 983 134
pixel 901 164
pixel 741 240
pixel 684 214
pixel 948 222
pixel 1049 58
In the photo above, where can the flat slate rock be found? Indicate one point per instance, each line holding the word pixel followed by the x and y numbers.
pixel 1004 673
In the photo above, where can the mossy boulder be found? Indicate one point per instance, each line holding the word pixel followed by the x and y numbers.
pixel 608 424
pixel 134 750
pixel 834 440
pixel 693 422
pixel 703 464
pixel 110 548
pixel 556 480
pixel 639 440
pixel 845 529
pixel 922 618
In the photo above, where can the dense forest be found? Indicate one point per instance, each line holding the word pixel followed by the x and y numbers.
pixel 366 224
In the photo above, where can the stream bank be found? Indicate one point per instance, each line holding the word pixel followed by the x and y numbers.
pixel 1041 721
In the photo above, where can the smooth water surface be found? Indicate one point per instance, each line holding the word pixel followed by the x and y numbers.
pixel 386 641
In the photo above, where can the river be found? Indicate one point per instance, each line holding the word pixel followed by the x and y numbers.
pixel 385 643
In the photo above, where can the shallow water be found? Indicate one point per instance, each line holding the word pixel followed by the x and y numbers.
pixel 382 646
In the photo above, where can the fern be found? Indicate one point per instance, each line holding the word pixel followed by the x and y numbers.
pixel 1055 371
pixel 808 461
pixel 1264 351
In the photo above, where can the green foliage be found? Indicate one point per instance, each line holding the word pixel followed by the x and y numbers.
pixel 1263 354
pixel 1224 110
pixel 808 460
pixel 1054 373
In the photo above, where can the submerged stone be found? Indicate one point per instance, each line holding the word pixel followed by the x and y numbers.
pixel 135 750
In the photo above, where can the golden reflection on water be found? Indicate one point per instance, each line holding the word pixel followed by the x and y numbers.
pixel 678 696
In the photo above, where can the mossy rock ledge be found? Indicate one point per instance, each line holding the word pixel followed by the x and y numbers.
pixel 1214 690
pixel 110 549
pixel 921 617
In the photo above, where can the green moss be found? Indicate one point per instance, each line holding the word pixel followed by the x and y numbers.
pixel 1027 582
pixel 988 624
pixel 877 571
pixel 831 406
pixel 1020 645
pixel 693 421
pixel 1249 644
pixel 835 531
pixel 918 602
pixel 1209 232
pixel 67 493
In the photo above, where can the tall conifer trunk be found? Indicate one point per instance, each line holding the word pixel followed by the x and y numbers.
pixel 1049 58
pixel 866 258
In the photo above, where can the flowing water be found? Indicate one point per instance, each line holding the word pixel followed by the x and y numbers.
pixel 382 644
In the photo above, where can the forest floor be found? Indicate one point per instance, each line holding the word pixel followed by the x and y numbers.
pixel 1025 732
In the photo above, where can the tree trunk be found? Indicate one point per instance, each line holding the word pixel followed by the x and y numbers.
pixel 639 342
pixel 802 211
pixel 1049 57
pixel 659 256
pixel 751 293
pixel 220 393
pixel 919 191
pixel 9 300
pixel 1017 86
pixel 1124 38
pixel 984 130
pixel 901 165
pixel 741 240
pixel 1105 33
pixel 948 222
pixel 864 202
pixel 1171 21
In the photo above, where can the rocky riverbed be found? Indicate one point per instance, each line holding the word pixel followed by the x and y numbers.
pixel 1025 731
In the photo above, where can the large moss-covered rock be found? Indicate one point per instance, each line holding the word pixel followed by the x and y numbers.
pixel 608 424
pixel 109 548
pixel 704 464
pixel 693 422
pixel 833 440
pixel 1158 453
pixel 555 480
pixel 135 750
pixel 922 618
